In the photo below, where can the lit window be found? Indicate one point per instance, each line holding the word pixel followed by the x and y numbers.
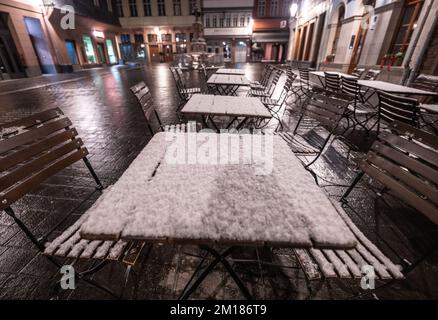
pixel 89 50
pixel 242 21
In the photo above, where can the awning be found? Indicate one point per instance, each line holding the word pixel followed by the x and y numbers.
pixel 270 37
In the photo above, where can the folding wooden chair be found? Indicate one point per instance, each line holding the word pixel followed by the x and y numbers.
pixel 32 150
pixel 358 72
pixel 146 102
pixel 393 107
pixel 184 93
pixel 323 110
pixel 270 87
pixel 264 78
pixel 332 82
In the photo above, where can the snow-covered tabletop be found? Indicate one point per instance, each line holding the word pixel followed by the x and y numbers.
pixel 394 88
pixel 228 79
pixel 231 71
pixel 226 106
pixel 169 194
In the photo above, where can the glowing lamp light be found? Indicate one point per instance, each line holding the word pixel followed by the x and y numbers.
pixel 98 34
pixel 293 9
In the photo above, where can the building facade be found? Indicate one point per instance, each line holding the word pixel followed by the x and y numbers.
pixel 228 28
pixel 39 36
pixel 399 37
pixel 155 30
pixel 271 30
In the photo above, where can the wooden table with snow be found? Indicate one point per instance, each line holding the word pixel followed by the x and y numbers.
pixel 227 84
pixel 231 71
pixel 394 88
pixel 206 188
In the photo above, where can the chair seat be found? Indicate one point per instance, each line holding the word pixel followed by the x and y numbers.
pixel 329 263
pixel 257 87
pixel 191 90
pixel 298 144
pixel 258 93
pixel 361 109
pixel 269 101
pixel 181 127
pixel 70 245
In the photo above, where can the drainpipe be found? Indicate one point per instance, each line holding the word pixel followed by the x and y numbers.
pixel 408 72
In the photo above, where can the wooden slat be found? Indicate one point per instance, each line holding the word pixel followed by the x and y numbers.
pixel 427 208
pixel 17 192
pixel 411 147
pixel 337 263
pixel 325 266
pixel 36 164
pixel 34 119
pixel 326 121
pixel 321 111
pixel 21 155
pixel 34 134
pixel 408 178
pixel 309 267
pixel 416 134
pixel 406 161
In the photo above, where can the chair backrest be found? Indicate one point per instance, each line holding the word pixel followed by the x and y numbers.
pixel 392 107
pixel 405 161
pixel 179 85
pixel 276 74
pixel 144 98
pixel 33 149
pixel 350 86
pixel 304 75
pixel 332 82
pixel 327 110
pixel 428 83
pixel 372 74
pixel 358 72
pixel 266 76
pixel 286 87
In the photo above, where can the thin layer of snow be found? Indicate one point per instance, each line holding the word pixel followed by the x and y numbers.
pixel 7 131
pixel 231 71
pixel 228 79
pixel 156 199
pixel 226 105
pixel 394 88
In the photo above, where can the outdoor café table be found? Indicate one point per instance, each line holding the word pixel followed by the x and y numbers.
pixel 210 189
pixel 209 106
pixel 227 84
pixel 394 88
pixel 231 71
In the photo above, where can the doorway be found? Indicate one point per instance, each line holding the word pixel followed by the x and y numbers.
pixel 154 53
pixel 101 52
pixel 71 51
pixel 10 66
pixel 168 56
pixel 241 50
pixel 39 43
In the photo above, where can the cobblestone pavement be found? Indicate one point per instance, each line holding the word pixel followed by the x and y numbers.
pixel 112 126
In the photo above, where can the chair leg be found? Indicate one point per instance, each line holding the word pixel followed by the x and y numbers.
pixel 93 173
pixel 351 187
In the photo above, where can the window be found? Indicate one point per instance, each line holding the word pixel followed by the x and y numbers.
pixel 181 48
pixel 228 20
pixel 166 37
pixel 180 37
pixel 341 13
pixel 235 19
pixel 406 27
pixel 125 38
pixel 261 8
pixel 138 38
pixel 221 21
pixel 176 7
pixel 147 8
pixel 242 21
pixel 248 20
pixel 286 8
pixel 133 8
pixel 214 21
pixel 89 50
pixel 274 8
pixel 96 3
pixel 207 21
pixel 111 54
pixel 161 8
pixel 119 8
pixel 109 5
pixel 152 37
pixel 192 6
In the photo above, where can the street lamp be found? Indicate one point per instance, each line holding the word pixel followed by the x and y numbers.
pixel 293 9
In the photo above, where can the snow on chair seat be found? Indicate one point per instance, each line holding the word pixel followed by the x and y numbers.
pixel 326 263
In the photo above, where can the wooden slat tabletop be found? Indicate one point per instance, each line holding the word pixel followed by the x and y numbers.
pixel 231 71
pixel 228 79
pixel 190 188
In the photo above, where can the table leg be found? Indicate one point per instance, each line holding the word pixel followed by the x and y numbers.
pixel 218 258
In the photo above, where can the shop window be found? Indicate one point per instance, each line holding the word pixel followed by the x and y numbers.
pixel 152 37
pixel 125 38
pixel 166 37
pixel 89 50
pixel 180 37
pixel 111 55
